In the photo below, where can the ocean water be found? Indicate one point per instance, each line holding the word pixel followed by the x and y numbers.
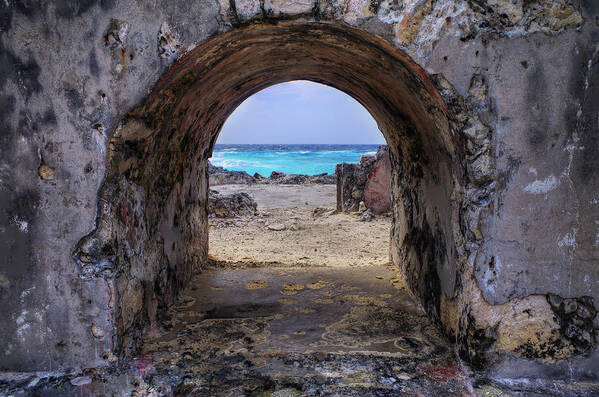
pixel 290 159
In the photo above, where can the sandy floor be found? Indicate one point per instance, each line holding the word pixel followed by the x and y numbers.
pixel 312 234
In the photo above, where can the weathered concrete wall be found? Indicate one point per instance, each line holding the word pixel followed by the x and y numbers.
pixel 351 179
pixel 377 191
pixel 367 183
pixel 64 85
pixel 530 145
pixel 494 189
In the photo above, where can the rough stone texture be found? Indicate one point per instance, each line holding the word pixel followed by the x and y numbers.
pixel 298 179
pixel 220 176
pixel 230 205
pixel 489 110
pixel 235 65
pixel 531 116
pixel 63 89
pixel 377 191
pixel 323 179
pixel 351 179
pixel 367 183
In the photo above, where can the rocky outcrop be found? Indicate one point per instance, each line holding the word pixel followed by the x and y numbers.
pixel 351 179
pixel 368 182
pixel 324 179
pixel 230 205
pixel 298 179
pixel 222 176
pixel 287 179
pixel 377 192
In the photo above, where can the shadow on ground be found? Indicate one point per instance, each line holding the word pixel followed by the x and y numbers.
pixel 256 331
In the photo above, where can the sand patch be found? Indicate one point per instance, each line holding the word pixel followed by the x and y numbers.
pixel 256 284
pixel 316 285
pixel 292 288
pixel 327 240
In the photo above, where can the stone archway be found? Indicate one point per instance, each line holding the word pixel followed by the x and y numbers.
pixel 522 216
pixel 152 232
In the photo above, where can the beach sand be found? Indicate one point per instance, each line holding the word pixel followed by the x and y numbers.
pixel 296 226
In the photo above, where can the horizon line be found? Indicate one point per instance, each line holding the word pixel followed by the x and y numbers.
pixel 300 143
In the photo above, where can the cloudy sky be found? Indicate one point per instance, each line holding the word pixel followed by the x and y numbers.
pixel 300 112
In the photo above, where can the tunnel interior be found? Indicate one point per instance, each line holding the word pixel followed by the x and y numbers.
pixel 151 231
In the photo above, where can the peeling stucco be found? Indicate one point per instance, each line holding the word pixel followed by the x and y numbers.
pixel 493 145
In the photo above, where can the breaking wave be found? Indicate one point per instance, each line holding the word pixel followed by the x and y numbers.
pixel 290 159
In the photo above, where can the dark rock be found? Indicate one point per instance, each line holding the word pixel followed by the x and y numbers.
pixel 584 312
pixel 323 179
pixel 554 300
pixel 298 179
pixel 575 316
pixel 291 179
pixel 367 216
pixel 350 178
pixel 570 306
pixel 231 205
pixel 221 176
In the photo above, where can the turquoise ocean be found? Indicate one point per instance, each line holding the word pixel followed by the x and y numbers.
pixel 290 159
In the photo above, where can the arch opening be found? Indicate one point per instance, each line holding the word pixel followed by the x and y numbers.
pixel 152 228
pixel 279 196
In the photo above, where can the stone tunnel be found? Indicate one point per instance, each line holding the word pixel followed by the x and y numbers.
pixel 110 111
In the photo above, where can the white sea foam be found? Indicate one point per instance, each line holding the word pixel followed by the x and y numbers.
pixel 236 163
pixel 286 158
